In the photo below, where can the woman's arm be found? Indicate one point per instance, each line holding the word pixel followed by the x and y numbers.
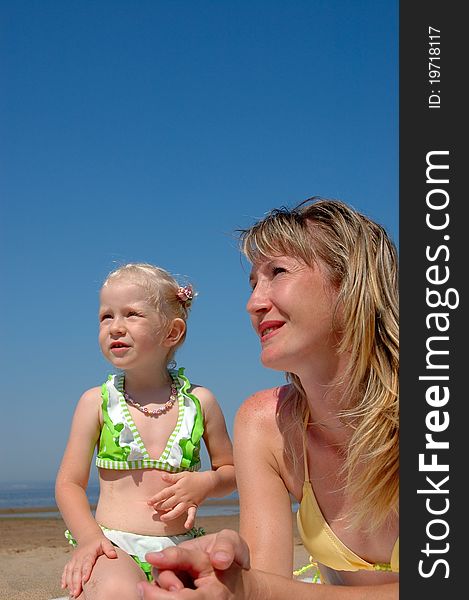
pixel 263 586
pixel 218 566
pixel 265 504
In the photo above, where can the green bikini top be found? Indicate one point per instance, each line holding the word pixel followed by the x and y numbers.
pixel 120 445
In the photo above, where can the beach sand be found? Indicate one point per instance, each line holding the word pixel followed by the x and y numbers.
pixel 33 552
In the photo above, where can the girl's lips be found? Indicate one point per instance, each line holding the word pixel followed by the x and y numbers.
pixel 119 349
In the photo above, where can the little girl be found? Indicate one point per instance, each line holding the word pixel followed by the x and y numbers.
pixel 146 423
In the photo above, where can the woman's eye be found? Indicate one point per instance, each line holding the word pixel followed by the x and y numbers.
pixel 278 270
pixel 133 313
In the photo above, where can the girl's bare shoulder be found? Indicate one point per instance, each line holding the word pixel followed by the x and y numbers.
pixel 94 392
pixel 91 395
pixel 203 394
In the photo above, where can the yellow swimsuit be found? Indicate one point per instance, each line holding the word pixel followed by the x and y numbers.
pixel 322 543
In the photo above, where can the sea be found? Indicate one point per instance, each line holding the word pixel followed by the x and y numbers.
pixel 38 501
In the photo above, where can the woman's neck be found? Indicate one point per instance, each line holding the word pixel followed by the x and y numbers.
pixel 325 400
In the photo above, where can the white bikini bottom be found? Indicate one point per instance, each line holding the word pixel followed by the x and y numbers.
pixel 138 545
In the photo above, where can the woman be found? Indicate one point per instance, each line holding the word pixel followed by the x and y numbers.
pixel 324 304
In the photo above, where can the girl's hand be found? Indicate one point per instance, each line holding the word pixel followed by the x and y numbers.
pixel 78 569
pixel 187 490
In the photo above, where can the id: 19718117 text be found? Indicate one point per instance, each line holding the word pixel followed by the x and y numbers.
pixel 434 55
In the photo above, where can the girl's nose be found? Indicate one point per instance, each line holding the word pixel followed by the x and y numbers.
pixel 117 326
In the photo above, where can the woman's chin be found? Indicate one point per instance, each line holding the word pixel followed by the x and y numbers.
pixel 273 362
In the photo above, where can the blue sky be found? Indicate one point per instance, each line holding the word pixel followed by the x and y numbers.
pixel 151 131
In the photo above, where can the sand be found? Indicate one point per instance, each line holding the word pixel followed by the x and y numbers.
pixel 33 552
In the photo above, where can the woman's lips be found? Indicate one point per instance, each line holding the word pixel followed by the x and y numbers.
pixel 269 328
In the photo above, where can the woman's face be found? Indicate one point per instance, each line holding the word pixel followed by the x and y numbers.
pixel 291 309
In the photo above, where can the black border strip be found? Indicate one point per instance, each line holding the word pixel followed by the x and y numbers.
pixel 432 273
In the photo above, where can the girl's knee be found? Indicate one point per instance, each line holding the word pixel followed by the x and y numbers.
pixel 111 588
pixel 114 579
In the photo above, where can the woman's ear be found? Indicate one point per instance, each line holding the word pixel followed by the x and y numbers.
pixel 177 328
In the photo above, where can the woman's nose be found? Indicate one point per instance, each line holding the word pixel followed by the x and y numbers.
pixel 258 300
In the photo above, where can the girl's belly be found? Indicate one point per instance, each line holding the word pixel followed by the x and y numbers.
pixel 123 504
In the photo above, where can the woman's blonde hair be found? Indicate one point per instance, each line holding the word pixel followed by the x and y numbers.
pixel 362 264
pixel 163 293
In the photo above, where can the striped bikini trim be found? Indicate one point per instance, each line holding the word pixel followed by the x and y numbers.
pixel 118 465
pixel 176 430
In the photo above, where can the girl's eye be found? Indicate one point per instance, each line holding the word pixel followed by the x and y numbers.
pixel 105 317
pixel 133 313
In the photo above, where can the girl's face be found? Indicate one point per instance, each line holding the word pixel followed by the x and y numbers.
pixel 131 332
pixel 291 309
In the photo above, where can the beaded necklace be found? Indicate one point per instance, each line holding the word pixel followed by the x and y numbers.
pixel 173 395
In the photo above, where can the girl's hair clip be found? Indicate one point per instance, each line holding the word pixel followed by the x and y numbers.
pixel 185 295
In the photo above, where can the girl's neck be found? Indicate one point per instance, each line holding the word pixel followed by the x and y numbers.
pixel 147 379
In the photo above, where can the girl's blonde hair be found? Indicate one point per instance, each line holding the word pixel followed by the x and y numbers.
pixel 163 293
pixel 362 264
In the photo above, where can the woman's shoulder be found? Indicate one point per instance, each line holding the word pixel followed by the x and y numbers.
pixel 262 406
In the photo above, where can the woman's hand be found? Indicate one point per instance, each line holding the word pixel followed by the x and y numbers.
pixel 188 489
pixel 78 569
pixel 206 568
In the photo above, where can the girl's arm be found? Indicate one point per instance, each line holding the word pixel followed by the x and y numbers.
pixel 70 492
pixel 222 480
pixel 266 521
pixel 73 474
pixel 189 489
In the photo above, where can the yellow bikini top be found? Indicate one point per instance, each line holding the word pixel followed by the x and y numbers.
pixel 322 543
